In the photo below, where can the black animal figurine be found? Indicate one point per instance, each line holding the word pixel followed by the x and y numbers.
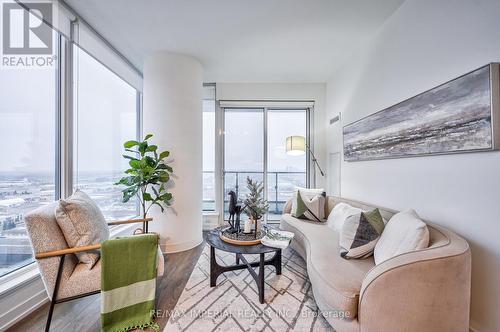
pixel 233 207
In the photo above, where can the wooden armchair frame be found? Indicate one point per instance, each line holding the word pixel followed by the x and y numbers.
pixel 63 252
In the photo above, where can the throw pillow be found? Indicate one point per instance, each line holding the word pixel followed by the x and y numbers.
pixel 339 214
pixel 308 193
pixel 360 234
pixel 309 207
pixel 82 224
pixel 404 232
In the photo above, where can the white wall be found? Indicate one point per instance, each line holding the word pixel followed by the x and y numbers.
pixel 173 114
pixel 425 43
pixel 287 92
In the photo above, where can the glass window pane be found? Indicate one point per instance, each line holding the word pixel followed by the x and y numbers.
pixel 284 172
pixel 105 117
pixel 27 168
pixel 208 154
pixel 243 149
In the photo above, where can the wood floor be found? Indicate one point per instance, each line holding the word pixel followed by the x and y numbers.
pixel 82 315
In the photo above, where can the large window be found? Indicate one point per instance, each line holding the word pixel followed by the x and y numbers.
pixel 27 166
pixel 105 114
pixel 209 148
pixel 254 146
pixel 35 131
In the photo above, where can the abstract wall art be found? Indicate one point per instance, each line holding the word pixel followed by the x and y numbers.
pixel 461 115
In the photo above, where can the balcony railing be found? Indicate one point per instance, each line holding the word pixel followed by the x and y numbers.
pixel 280 186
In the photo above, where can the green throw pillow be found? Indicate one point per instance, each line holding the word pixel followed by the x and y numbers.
pixel 309 207
pixel 360 233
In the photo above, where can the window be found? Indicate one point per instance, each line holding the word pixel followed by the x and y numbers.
pixel 28 166
pixel 284 172
pixel 105 113
pixel 254 146
pixel 209 148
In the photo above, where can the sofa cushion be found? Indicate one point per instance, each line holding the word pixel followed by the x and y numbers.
pixel 311 208
pixel 360 233
pixel 82 224
pixel 336 280
pixel 404 232
pixel 339 214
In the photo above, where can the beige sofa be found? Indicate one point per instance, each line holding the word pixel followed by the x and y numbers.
pixel 425 290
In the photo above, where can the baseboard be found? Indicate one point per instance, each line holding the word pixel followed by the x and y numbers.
pixel 170 248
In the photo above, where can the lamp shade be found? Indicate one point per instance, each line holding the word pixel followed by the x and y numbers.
pixel 295 145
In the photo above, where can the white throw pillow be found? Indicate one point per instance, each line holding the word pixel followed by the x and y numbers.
pixel 339 214
pixel 404 232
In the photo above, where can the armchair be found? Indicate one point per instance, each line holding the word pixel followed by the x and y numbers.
pixel 64 277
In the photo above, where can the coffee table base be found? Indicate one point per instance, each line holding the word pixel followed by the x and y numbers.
pixel 216 270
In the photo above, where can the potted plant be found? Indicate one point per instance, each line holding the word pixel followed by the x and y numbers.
pixel 255 205
pixel 147 177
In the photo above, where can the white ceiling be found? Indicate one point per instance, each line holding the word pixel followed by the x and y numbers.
pixel 242 40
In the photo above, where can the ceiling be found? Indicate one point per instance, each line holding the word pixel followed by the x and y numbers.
pixel 238 40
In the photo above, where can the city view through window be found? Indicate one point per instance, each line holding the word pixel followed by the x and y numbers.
pixel 105 111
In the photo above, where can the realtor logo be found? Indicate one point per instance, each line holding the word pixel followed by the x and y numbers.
pixel 25 32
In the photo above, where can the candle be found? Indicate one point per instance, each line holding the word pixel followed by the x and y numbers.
pixel 248 226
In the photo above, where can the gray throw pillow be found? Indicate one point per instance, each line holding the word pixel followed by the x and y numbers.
pixel 360 234
pixel 82 224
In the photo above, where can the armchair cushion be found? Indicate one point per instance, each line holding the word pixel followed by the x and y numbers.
pixel 82 224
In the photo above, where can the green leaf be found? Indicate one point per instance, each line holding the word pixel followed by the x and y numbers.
pixel 164 155
pixel 164 167
pixel 135 164
pixel 130 150
pixel 147 197
pixel 142 147
pixel 150 161
pixel 148 136
pixel 129 144
pixel 164 178
pixel 129 157
pixel 152 148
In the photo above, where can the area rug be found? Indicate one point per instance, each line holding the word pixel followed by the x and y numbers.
pixel 233 305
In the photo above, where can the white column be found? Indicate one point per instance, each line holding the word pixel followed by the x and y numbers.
pixel 173 114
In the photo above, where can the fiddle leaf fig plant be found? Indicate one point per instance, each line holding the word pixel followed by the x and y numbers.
pixel 147 176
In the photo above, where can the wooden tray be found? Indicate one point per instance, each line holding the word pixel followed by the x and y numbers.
pixel 241 240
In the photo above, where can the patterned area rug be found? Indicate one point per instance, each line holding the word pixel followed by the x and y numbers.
pixel 233 305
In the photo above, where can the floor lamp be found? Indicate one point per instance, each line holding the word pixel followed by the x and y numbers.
pixel 296 146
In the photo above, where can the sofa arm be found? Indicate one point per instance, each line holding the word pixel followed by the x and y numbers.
pixel 426 290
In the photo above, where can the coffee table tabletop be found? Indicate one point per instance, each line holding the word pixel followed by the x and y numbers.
pixel 213 239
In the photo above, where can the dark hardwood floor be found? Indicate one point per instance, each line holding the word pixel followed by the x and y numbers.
pixel 82 315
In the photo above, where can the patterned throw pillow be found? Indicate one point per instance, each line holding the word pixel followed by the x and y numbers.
pixel 310 207
pixel 360 234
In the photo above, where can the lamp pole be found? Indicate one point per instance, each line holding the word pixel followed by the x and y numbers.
pixel 315 160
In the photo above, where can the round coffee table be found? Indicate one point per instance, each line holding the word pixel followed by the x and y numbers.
pixel 214 240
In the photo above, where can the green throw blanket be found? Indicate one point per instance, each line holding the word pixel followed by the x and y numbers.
pixel 128 283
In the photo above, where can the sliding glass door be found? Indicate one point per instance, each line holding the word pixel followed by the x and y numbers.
pixel 243 150
pixel 254 146
pixel 284 172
